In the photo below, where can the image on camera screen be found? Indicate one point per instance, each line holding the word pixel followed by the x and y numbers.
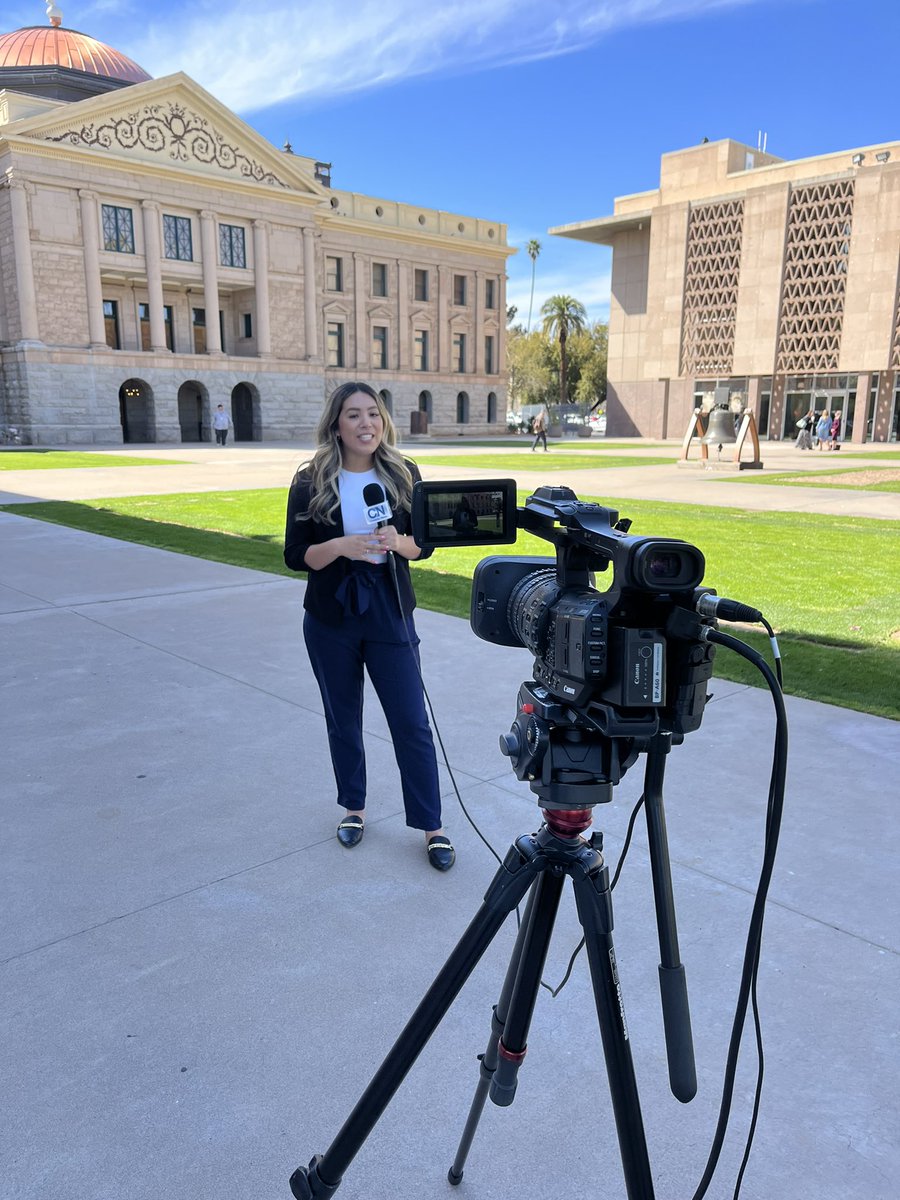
pixel 481 513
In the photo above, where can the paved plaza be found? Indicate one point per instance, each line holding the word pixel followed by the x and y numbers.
pixel 197 981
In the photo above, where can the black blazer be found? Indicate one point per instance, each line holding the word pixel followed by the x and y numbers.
pixel 301 533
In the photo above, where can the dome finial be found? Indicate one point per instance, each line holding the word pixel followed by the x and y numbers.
pixel 54 14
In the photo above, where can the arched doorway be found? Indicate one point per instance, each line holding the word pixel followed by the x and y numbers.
pixel 193 411
pixel 136 411
pixel 425 404
pixel 245 414
pixel 387 400
pixel 492 408
pixel 462 408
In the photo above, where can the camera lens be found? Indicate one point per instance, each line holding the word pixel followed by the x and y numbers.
pixel 529 605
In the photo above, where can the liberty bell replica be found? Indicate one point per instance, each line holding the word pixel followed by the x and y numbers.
pixel 720 426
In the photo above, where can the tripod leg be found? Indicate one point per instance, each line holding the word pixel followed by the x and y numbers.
pixel 513 1012
pixel 594 906
pixel 516 874
pixel 488 1060
pixel 672 981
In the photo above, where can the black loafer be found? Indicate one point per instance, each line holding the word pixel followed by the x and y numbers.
pixel 441 854
pixel 350 831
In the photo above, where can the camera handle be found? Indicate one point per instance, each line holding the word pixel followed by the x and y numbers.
pixel 537 863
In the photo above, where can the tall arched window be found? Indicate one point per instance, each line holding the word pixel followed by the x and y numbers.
pixel 492 408
pixel 387 399
pixel 462 408
pixel 425 404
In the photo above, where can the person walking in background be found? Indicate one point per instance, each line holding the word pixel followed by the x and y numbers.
pixel 804 431
pixel 835 432
pixel 221 424
pixel 354 618
pixel 539 429
pixel 823 429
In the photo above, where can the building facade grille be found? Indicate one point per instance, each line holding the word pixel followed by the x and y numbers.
pixel 712 275
pixel 814 282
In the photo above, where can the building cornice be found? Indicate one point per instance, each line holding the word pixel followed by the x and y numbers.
pixel 328 221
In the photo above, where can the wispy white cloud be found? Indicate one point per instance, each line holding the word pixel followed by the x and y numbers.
pixel 252 57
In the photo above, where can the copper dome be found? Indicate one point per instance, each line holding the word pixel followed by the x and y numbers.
pixel 42 46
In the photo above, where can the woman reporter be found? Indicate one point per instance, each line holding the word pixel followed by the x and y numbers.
pixel 354 618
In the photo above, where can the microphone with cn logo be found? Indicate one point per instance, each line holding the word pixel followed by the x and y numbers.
pixel 378 511
pixel 378 514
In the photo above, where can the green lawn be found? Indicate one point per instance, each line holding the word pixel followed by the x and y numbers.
pixel 509 464
pixel 820 479
pixel 53 460
pixel 873 456
pixel 830 585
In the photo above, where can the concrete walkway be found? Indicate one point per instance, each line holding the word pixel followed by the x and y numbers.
pixel 197 982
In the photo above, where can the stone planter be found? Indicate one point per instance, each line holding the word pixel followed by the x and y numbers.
pixel 585 431
pixel 554 429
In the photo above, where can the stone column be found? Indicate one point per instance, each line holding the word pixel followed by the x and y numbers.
pixel 861 409
pixel 90 236
pixel 478 356
pixel 881 418
pixel 501 327
pixel 776 407
pixel 403 358
pixel 210 251
pixel 28 316
pixel 754 392
pixel 360 292
pixel 261 263
pixel 152 255
pixel 309 294
pixel 445 283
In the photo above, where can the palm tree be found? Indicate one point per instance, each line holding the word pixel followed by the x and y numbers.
pixel 534 249
pixel 563 315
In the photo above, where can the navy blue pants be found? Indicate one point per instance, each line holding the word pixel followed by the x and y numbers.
pixel 376 640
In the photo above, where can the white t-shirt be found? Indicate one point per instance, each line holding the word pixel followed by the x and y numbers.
pixel 353 506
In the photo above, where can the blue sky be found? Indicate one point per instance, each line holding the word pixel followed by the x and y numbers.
pixel 531 112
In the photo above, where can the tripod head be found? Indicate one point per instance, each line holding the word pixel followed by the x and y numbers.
pixel 562 753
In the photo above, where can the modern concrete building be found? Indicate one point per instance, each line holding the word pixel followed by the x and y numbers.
pixel 159 257
pixel 776 280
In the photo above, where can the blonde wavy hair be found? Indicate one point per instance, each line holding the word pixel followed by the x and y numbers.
pixel 326 463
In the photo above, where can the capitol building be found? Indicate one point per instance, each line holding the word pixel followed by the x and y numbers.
pixel 158 257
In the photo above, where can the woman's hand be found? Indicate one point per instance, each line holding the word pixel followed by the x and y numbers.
pixel 359 547
pixel 398 543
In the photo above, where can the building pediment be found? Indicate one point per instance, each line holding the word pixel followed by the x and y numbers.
pixel 172 123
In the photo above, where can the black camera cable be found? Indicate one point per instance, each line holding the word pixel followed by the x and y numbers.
pixel 747 992
pixel 437 731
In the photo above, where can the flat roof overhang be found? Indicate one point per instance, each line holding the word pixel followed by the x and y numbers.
pixel 604 230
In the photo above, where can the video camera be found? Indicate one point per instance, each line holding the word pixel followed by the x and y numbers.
pixel 626 663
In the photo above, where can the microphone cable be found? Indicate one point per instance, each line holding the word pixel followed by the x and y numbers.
pixel 434 722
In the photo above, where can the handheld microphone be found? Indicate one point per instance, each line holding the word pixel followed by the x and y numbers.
pixel 378 511
pixel 378 514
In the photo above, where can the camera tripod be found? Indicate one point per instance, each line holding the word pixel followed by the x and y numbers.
pixel 537 864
